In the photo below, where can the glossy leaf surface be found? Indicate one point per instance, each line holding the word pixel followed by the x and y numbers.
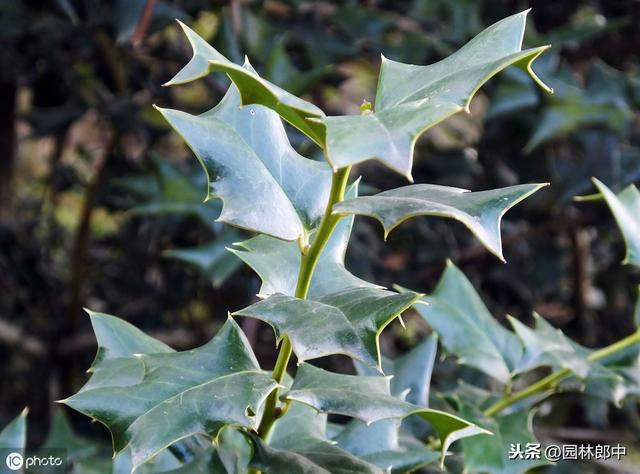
pixel 298 444
pixel 369 399
pixel 253 88
pixel 480 211
pixel 277 262
pixel 265 185
pixel 174 394
pixel 410 99
pixel 347 322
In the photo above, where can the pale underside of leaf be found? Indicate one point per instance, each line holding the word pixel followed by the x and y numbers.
pixel 348 322
pixel 625 207
pixel 480 211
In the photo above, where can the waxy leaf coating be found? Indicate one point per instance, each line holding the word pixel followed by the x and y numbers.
pixel 625 207
pixel 480 211
pixel 265 185
pixel 410 99
pixel 299 444
pixel 369 399
pixel 347 322
pixel 177 394
pixel 277 262
pixel 466 328
pixel 253 88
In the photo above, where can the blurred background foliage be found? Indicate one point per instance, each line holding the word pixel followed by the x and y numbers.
pixel 101 205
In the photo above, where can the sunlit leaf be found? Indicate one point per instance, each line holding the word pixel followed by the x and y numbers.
pixel 480 211
pixel 347 322
pixel 277 262
pixel 253 89
pixel 410 99
pixel 265 185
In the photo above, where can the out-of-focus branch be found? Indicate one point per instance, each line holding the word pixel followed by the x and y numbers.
pixel 143 24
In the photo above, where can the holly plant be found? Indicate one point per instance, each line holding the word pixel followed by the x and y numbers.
pixel 216 409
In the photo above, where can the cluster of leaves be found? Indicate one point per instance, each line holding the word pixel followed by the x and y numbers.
pixel 270 189
pixel 153 398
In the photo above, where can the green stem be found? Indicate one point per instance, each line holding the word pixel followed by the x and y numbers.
pixel 308 262
pixel 551 380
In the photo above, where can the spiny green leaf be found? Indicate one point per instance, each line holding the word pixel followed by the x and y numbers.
pixel 14 435
pixel 174 193
pixel 347 322
pixel 480 211
pixel 547 346
pixel 298 444
pixel 61 434
pixel 211 259
pixel 179 394
pixel 253 89
pixel 381 444
pixel 410 99
pixel 411 377
pixel 604 103
pixel 466 328
pixel 489 454
pixel 277 262
pixel 265 185
pixel 369 399
pixel 234 450
pixel 625 207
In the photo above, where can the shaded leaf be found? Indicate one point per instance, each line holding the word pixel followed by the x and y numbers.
pixel 265 185
pixel 480 211
pixel 14 435
pixel 369 399
pixel 212 259
pixel 381 444
pixel 490 454
pixel 411 378
pixel 625 207
pixel 410 99
pixel 175 193
pixel 277 262
pixel 466 328
pixel 347 322
pixel 547 346
pixel 253 89
pixel 178 394
pixel 61 435
pixel 298 444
